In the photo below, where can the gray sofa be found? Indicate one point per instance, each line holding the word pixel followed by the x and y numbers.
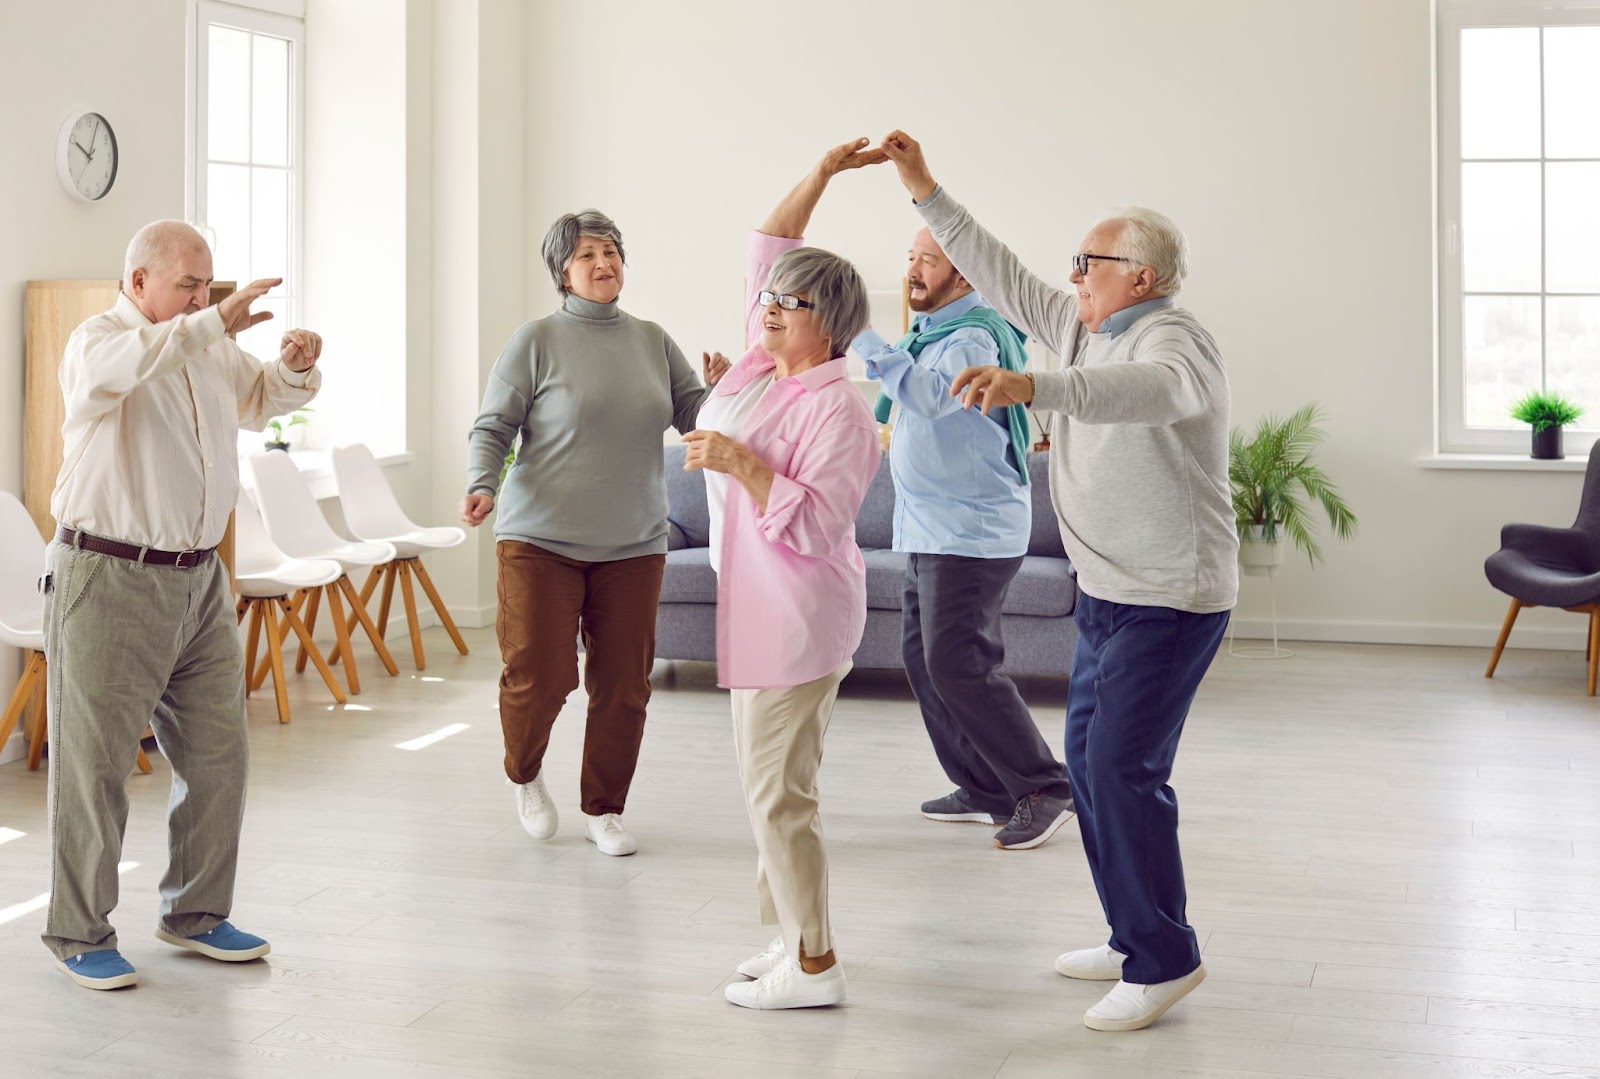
pixel 1036 618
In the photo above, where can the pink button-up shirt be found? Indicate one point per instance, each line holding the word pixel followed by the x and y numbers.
pixel 792 590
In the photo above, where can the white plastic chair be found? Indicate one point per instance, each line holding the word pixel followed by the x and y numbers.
pixel 372 513
pixel 264 580
pixel 22 626
pixel 299 530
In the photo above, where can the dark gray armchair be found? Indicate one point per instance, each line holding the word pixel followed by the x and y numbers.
pixel 1539 566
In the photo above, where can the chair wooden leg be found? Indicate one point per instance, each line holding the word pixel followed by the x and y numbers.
pixel 1594 648
pixel 1505 632
pixel 21 697
pixel 388 597
pixel 336 613
pixel 406 593
pixel 438 605
pixel 40 734
pixel 299 627
pixel 143 760
pixel 366 624
pixel 275 657
pixel 239 608
pixel 313 602
pixel 253 643
pixel 387 572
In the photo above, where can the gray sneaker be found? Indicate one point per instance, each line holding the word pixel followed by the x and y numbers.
pixel 1038 817
pixel 957 808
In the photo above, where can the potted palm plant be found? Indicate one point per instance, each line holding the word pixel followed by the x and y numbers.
pixel 1271 476
pixel 1547 414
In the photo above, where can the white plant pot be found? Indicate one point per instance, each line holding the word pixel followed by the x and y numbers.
pixel 1260 557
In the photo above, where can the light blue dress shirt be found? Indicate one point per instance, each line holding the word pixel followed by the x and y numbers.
pixel 957 491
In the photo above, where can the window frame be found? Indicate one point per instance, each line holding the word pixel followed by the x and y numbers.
pixel 275 18
pixel 1452 434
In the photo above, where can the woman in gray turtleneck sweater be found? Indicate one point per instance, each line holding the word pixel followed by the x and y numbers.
pixel 582 523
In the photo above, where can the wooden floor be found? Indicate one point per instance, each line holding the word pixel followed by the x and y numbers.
pixel 1394 867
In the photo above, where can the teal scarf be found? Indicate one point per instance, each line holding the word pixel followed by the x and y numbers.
pixel 1012 358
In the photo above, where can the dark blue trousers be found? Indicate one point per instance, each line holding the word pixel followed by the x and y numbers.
pixel 981 729
pixel 1134 674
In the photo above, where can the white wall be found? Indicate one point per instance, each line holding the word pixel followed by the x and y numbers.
pixel 1291 140
pixel 127 63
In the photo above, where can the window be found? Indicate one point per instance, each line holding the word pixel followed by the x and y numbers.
pixel 1519 225
pixel 246 153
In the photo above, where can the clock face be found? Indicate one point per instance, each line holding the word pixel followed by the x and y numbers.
pixel 88 156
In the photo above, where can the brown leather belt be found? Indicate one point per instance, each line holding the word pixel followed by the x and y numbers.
pixel 132 552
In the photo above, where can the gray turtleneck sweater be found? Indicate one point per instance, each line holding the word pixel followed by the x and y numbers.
pixel 591 389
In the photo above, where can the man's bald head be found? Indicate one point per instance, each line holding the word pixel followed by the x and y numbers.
pixel 167 271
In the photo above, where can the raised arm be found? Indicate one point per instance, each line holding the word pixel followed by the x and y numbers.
pixel 785 227
pixel 1044 312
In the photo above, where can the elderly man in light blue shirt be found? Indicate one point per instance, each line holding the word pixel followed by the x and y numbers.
pixel 963 513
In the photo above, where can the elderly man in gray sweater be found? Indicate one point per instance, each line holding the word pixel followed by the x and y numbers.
pixel 1139 479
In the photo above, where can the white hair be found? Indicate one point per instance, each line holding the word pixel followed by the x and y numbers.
pixel 1149 238
pixel 153 247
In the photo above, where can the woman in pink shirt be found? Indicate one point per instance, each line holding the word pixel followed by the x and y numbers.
pixel 789 447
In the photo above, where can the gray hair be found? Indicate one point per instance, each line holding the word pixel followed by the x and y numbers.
pixel 562 241
pixel 1148 238
pixel 832 284
pixel 153 247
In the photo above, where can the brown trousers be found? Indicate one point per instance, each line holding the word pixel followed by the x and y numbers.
pixel 545 601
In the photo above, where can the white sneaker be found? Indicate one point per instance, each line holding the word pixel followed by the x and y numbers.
pixel 607 833
pixel 535 809
pixel 1102 964
pixel 1133 1007
pixel 758 965
pixel 787 986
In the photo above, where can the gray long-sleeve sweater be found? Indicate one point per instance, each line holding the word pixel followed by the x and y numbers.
pixel 591 388
pixel 1139 463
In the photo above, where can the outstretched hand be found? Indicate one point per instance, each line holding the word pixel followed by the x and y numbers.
pixel 906 153
pixel 850 155
pixel 235 307
pixel 991 387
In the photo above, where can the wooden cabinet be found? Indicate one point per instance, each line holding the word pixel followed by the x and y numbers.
pixel 55 309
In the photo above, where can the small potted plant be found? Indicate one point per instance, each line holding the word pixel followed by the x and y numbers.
pixel 275 426
pixel 1270 476
pixel 1547 414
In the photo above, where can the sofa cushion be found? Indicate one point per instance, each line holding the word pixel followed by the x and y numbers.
pixel 686 499
pixel 886 579
pixel 1043 586
pixel 875 522
pixel 1045 536
pixel 688 577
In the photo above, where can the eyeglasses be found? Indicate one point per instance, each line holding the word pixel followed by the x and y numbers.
pixel 1080 262
pixel 787 301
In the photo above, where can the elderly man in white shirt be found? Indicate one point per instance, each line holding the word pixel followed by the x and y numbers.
pixel 139 618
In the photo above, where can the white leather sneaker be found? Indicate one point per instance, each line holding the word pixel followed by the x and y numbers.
pixel 757 965
pixel 1102 964
pixel 1133 1007
pixel 787 986
pixel 535 809
pixel 607 833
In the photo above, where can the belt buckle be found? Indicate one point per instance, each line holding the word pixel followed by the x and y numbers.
pixel 187 559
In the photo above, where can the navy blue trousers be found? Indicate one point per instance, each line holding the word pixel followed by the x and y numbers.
pixel 1134 674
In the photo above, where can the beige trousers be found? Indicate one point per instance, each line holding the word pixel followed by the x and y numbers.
pixel 777 734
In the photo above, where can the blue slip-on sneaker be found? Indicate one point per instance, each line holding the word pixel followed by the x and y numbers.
pixel 224 942
pixel 102 969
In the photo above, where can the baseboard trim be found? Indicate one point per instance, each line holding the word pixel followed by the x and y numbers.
pixel 1562 640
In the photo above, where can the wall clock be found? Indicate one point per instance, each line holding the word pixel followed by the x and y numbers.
pixel 86 156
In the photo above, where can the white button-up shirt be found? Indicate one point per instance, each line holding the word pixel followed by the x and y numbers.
pixel 150 443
